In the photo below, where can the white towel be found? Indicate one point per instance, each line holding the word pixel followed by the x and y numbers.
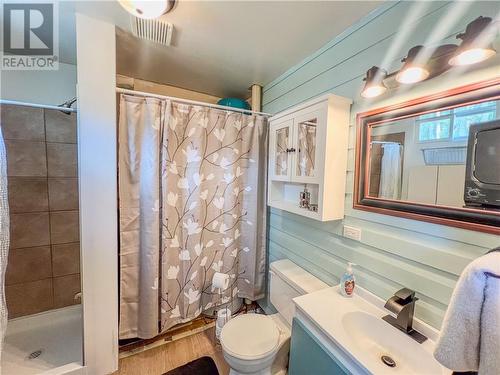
pixel 470 335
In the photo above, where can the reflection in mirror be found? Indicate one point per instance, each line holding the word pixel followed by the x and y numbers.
pixel 281 165
pixel 306 148
pixel 422 159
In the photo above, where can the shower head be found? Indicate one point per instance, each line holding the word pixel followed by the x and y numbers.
pixel 67 104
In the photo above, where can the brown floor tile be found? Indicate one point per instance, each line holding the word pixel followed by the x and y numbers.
pixel 28 194
pixel 62 160
pixel 29 230
pixel 65 289
pixel 29 298
pixel 177 353
pixel 63 194
pixel 65 259
pixel 22 123
pixel 64 227
pixel 29 264
pixel 60 126
pixel 25 158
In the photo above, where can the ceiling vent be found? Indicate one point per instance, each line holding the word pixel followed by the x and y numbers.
pixel 154 30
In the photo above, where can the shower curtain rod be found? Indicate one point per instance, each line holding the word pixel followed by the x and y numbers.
pixel 147 94
pixel 34 105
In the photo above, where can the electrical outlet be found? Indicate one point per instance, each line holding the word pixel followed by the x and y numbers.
pixel 352 232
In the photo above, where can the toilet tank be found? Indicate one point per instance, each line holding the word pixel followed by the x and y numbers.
pixel 287 282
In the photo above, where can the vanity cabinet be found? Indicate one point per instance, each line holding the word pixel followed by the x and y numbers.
pixel 308 356
pixel 308 149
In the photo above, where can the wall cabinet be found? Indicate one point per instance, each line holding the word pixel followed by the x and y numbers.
pixel 308 149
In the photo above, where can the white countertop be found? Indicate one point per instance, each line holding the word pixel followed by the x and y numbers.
pixel 354 325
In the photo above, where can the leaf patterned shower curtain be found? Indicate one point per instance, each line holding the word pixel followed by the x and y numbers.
pixel 192 202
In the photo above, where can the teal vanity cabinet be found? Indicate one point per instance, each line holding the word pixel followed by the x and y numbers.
pixel 309 357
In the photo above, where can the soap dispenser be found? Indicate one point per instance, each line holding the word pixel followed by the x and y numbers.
pixel 347 281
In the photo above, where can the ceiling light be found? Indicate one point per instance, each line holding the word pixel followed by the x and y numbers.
pixel 412 70
pixel 374 85
pixel 476 43
pixel 147 9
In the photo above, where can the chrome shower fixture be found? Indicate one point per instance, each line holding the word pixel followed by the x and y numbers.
pixel 67 104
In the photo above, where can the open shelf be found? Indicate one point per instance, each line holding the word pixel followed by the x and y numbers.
pixel 285 196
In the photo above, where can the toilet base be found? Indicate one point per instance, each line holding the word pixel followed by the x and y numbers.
pixel 278 367
pixel 250 367
pixel 277 364
pixel 266 371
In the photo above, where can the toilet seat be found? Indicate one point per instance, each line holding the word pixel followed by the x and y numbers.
pixel 250 337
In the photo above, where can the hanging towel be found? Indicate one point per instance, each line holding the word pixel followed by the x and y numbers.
pixel 470 335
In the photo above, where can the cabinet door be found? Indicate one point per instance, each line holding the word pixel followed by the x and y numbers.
pixel 280 143
pixel 422 184
pixel 306 153
pixel 308 356
pixel 450 185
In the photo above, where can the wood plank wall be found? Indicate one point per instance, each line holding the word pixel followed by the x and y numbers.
pixel 393 252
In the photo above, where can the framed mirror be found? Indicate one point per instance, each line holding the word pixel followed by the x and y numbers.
pixel 435 158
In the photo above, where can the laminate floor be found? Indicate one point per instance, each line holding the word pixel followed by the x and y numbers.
pixel 161 359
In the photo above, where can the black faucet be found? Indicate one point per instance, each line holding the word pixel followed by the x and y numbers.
pixel 403 305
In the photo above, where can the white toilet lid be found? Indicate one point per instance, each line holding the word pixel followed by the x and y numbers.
pixel 250 336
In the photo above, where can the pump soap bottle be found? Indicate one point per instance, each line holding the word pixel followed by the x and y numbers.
pixel 348 281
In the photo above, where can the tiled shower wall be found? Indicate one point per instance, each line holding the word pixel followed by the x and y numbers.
pixel 43 272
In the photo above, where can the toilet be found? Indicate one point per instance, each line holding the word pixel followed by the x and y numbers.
pixel 257 344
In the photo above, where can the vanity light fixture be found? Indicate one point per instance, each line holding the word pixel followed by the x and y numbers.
pixel 412 71
pixel 475 46
pixel 374 85
pixel 147 9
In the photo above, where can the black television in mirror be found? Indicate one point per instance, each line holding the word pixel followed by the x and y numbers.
pixel 482 178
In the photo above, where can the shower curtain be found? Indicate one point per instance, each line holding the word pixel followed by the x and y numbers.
pixel 390 173
pixel 4 238
pixel 192 185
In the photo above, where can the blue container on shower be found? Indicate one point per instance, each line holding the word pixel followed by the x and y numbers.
pixel 234 102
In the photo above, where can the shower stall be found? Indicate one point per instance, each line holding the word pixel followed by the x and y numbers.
pixel 42 284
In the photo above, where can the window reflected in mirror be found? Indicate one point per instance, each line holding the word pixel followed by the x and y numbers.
pixel 422 158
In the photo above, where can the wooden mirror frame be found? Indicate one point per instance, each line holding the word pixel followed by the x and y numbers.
pixel 467 218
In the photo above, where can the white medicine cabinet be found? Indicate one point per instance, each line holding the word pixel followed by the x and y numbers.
pixel 308 158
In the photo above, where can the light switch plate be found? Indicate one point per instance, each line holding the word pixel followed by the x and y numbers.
pixel 352 232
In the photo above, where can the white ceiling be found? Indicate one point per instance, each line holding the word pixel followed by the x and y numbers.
pixel 222 47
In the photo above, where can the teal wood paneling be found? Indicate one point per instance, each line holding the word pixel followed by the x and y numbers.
pixel 393 252
pixel 341 66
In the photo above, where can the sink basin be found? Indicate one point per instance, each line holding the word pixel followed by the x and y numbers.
pixel 373 338
pixel 353 332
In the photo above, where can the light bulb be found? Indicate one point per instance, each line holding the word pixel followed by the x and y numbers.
pixel 373 91
pixel 374 85
pixel 412 74
pixel 472 56
pixel 476 42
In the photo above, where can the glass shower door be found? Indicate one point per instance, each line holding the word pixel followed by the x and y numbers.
pixel 42 282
